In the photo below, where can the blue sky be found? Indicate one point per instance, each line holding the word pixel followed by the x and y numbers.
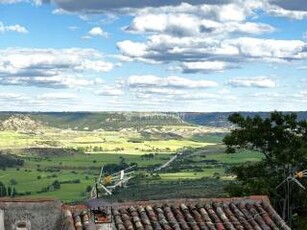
pixel 153 55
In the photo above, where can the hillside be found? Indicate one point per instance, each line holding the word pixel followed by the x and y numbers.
pixel 123 120
pixel 220 119
pixel 21 123
pixel 99 120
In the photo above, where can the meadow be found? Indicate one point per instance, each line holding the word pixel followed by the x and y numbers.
pixel 74 159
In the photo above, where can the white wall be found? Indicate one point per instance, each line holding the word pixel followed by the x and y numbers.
pixel 1 220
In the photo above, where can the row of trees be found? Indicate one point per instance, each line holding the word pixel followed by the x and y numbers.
pixel 7 191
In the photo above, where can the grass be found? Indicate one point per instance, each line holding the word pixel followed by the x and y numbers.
pixel 171 189
pixel 235 158
pixel 83 167
pixel 86 167
pixel 109 147
pixel 101 148
pixel 83 161
pixel 191 175
pixel 212 138
pixel 93 141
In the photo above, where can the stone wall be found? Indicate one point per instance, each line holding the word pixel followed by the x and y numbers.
pixel 32 215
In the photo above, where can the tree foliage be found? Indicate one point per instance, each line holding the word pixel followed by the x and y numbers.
pixel 283 141
pixel 8 160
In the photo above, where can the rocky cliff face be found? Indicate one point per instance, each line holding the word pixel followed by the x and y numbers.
pixel 21 123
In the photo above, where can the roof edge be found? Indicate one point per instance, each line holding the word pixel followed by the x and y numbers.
pixel 28 199
pixel 259 198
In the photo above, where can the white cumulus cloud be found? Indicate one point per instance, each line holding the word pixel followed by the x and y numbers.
pixel 13 28
pixel 258 82
pixel 97 31
pixel 54 68
pixel 57 96
pixel 111 91
pixel 139 81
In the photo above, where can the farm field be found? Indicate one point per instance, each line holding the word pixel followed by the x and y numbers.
pixel 77 172
pixel 65 163
pixel 96 141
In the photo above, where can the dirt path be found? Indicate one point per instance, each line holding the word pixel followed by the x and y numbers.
pixel 165 165
pixel 168 162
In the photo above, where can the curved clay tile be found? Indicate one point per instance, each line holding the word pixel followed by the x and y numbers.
pixel 248 216
pixel 180 218
pixel 266 217
pixel 206 217
pixel 277 219
pixel 231 216
pixel 228 225
pixel 214 217
pixel 188 217
pixel 153 218
pixel 257 217
pixel 198 218
pixel 170 217
pixel 162 219
pixel 240 216
pixel 144 218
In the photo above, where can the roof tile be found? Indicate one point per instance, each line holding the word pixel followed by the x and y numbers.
pixel 252 213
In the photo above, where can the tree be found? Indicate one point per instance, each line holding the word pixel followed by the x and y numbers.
pixel 282 140
pixel 9 191
pixel 13 181
pixel 2 189
pixel 88 188
pixel 56 185
pixel 14 193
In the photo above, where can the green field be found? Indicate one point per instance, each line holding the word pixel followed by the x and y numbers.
pixel 97 141
pixel 75 157
pixel 86 167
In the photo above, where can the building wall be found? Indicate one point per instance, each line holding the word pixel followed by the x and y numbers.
pixel 34 215
pixel 1 219
pixel 107 226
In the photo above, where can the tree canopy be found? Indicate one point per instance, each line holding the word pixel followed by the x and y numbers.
pixel 282 139
pixel 8 160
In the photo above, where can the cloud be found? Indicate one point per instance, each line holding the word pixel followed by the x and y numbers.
pixel 294 5
pixel 10 1
pixel 73 28
pixel 57 96
pixel 152 87
pixel 205 66
pixel 159 91
pixel 67 81
pixel 13 28
pixel 143 81
pixel 269 48
pixel 267 95
pixel 257 82
pixel 166 48
pixel 95 6
pixel 179 24
pixel 110 91
pixel 278 11
pixel 302 95
pixel 227 10
pixel 97 32
pixel 12 97
pixel 219 39
pixel 53 68
pixel 198 96
pixel 35 2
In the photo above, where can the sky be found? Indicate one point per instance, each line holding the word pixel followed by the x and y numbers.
pixel 153 55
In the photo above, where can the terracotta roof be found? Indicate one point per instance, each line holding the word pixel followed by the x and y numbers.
pixel 198 214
